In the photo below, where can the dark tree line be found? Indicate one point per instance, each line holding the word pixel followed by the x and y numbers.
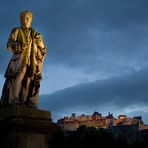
pixel 91 137
pixel 86 137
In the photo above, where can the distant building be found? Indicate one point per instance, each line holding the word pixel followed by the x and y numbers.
pixel 132 129
pixel 97 120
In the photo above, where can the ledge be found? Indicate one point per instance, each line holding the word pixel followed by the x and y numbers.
pixel 24 119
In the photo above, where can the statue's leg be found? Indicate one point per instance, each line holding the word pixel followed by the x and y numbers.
pixel 18 84
pixel 25 89
pixel 33 95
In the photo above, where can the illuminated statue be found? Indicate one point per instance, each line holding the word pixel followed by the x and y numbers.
pixel 24 70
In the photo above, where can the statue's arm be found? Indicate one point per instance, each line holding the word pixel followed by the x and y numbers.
pixel 41 46
pixel 13 44
pixel 43 50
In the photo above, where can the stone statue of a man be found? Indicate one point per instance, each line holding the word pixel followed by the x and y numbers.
pixel 24 70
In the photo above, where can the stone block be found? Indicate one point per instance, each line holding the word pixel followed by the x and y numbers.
pixel 23 127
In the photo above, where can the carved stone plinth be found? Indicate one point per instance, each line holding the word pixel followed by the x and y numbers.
pixel 22 127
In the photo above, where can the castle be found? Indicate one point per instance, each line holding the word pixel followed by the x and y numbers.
pixel 73 122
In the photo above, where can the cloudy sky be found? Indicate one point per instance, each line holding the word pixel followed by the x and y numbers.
pixel 97 58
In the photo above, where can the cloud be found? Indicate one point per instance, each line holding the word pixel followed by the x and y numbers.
pixel 115 93
pixel 60 77
pixel 106 36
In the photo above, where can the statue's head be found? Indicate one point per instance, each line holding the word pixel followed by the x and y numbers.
pixel 26 18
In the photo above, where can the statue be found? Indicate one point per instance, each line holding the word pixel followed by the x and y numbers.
pixel 24 71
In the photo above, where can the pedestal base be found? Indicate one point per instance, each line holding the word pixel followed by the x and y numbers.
pixel 22 127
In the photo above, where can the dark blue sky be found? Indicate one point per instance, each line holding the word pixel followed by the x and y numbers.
pixel 97 58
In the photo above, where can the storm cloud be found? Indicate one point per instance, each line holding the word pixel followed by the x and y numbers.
pixel 117 92
pixel 106 35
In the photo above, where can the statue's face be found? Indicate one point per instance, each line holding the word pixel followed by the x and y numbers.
pixel 26 21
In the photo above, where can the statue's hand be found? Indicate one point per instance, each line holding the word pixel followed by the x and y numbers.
pixel 43 51
pixel 17 48
pixel 39 41
pixel 41 45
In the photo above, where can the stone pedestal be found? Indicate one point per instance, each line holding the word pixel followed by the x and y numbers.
pixel 22 127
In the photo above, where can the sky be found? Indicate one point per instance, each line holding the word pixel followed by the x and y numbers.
pixel 97 54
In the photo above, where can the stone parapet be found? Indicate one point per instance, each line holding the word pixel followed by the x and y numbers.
pixel 23 127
